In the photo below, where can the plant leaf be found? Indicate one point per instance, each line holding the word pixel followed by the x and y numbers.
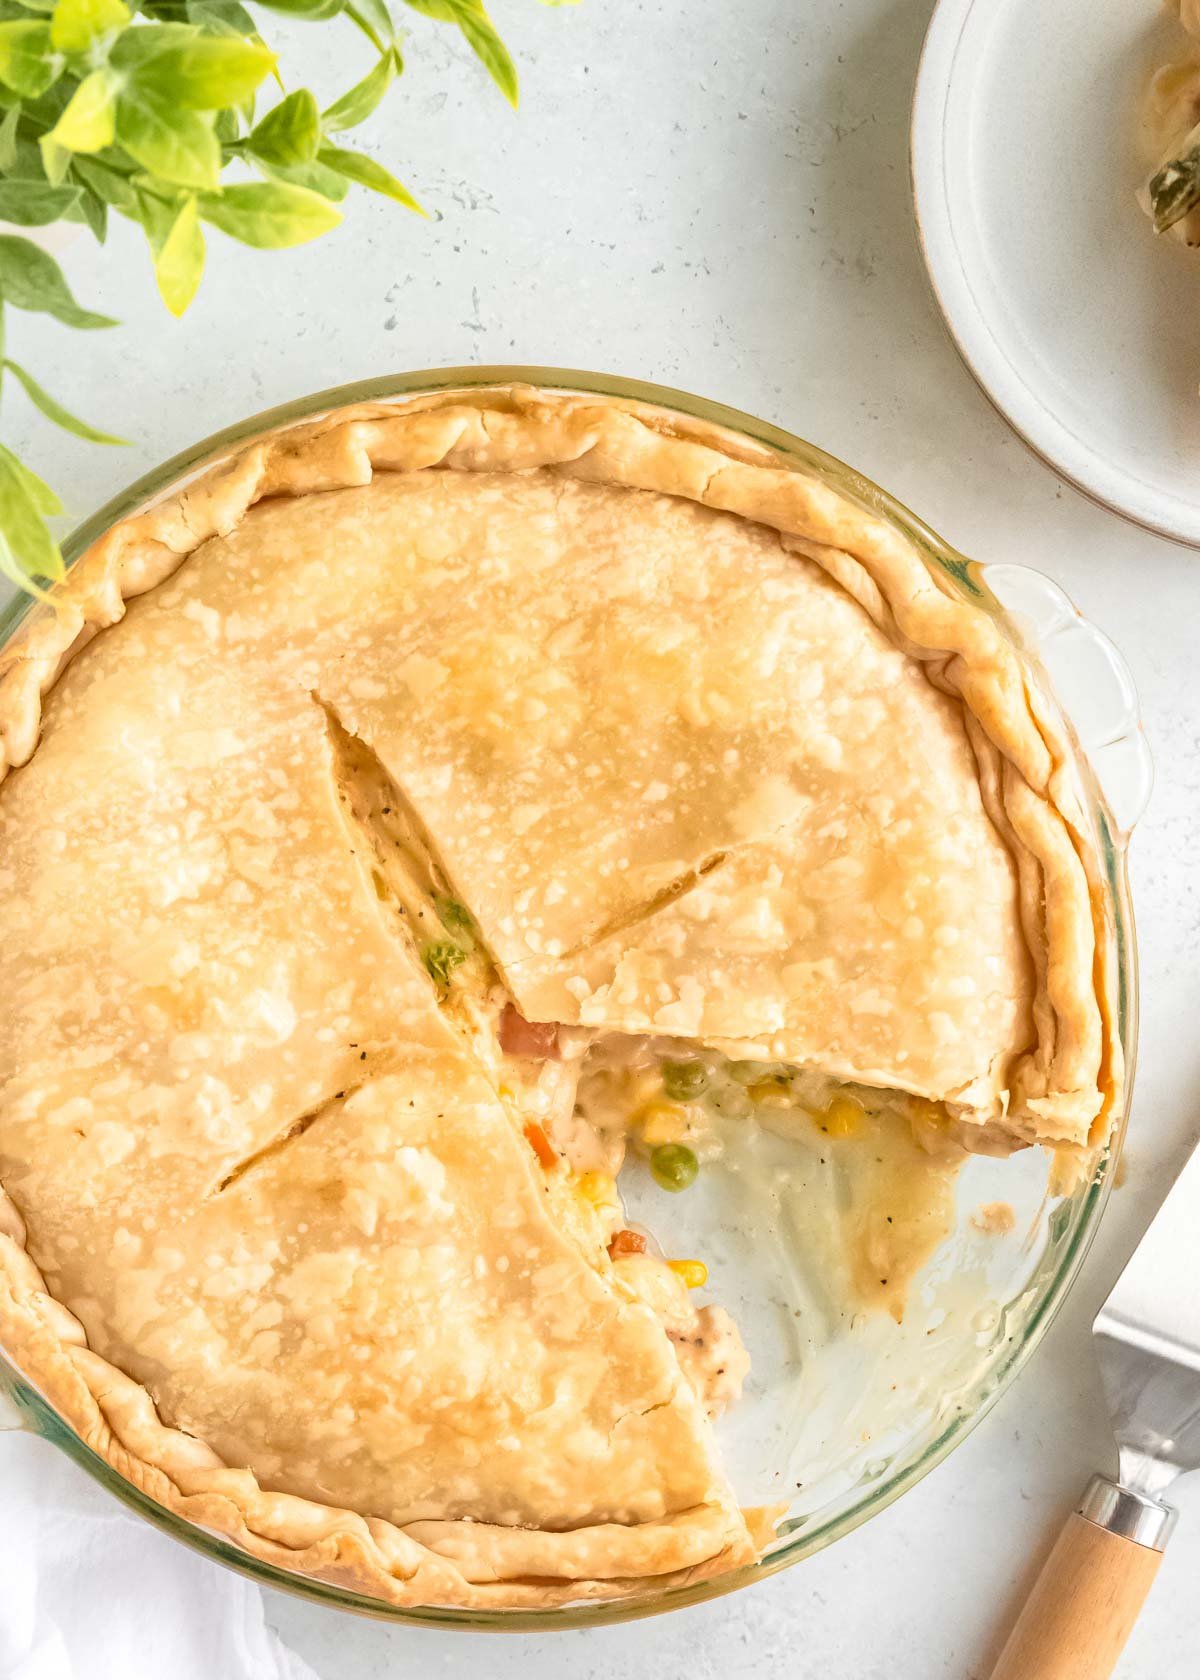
pixel 8 137
pixel 27 161
pixel 269 215
pixel 373 18
pixel 207 73
pixel 89 122
pixel 31 279
pixel 179 145
pixel 315 176
pixel 441 10
pixel 43 498
pixel 491 52
pixel 356 106
pixel 311 10
pixel 23 520
pixel 290 132
pixel 55 160
pixel 45 110
pixel 180 263
pixel 222 17
pixel 94 212
pixel 141 43
pixel 157 205
pixel 55 411
pixel 76 24
pixel 12 571
pixel 480 32
pixel 27 61
pixel 355 167
pixel 107 184
pixel 35 203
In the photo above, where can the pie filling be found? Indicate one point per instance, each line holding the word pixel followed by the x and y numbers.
pixel 573 1093
pixel 487 811
pixel 581 1097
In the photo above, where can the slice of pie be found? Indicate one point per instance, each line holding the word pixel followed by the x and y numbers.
pixel 360 798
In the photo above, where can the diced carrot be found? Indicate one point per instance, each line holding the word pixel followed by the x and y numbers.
pixel 541 1145
pixel 627 1242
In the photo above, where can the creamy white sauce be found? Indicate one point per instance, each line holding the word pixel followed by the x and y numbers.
pixel 896 1157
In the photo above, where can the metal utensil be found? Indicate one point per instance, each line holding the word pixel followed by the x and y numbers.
pixel 1147 1337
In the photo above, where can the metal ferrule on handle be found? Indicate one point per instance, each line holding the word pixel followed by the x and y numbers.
pixel 1132 1516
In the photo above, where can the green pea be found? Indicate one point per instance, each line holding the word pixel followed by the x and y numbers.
pixel 441 958
pixel 674 1166
pixel 684 1081
pixel 456 919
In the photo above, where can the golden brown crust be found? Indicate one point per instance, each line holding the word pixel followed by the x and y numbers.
pixel 1024 761
pixel 453 1564
pixel 1062 1089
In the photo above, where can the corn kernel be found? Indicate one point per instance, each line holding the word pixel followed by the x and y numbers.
pixel 772 1093
pixel 599 1188
pixel 693 1272
pixel 662 1122
pixel 842 1118
pixel 641 1085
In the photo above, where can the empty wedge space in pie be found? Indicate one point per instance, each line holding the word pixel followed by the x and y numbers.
pixel 396 823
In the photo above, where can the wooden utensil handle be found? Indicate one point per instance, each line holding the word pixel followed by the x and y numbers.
pixel 1082 1607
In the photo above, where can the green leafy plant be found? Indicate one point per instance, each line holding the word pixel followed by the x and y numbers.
pixel 150 111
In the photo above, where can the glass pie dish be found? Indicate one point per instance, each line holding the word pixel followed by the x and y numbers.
pixel 846 1407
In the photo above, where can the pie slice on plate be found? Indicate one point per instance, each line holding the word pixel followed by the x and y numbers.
pixel 363 794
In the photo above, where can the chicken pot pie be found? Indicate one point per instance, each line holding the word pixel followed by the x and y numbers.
pixel 370 807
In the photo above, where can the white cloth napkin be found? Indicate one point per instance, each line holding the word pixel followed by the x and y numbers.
pixel 89 1592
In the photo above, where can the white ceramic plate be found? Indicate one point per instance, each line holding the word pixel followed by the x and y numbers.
pixel 1079 323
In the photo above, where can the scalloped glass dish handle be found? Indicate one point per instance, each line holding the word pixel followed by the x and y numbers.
pixel 1091 682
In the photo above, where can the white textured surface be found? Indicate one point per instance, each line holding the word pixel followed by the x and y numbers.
pixel 717 197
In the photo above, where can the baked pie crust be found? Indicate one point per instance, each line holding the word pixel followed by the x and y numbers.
pixel 707 750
